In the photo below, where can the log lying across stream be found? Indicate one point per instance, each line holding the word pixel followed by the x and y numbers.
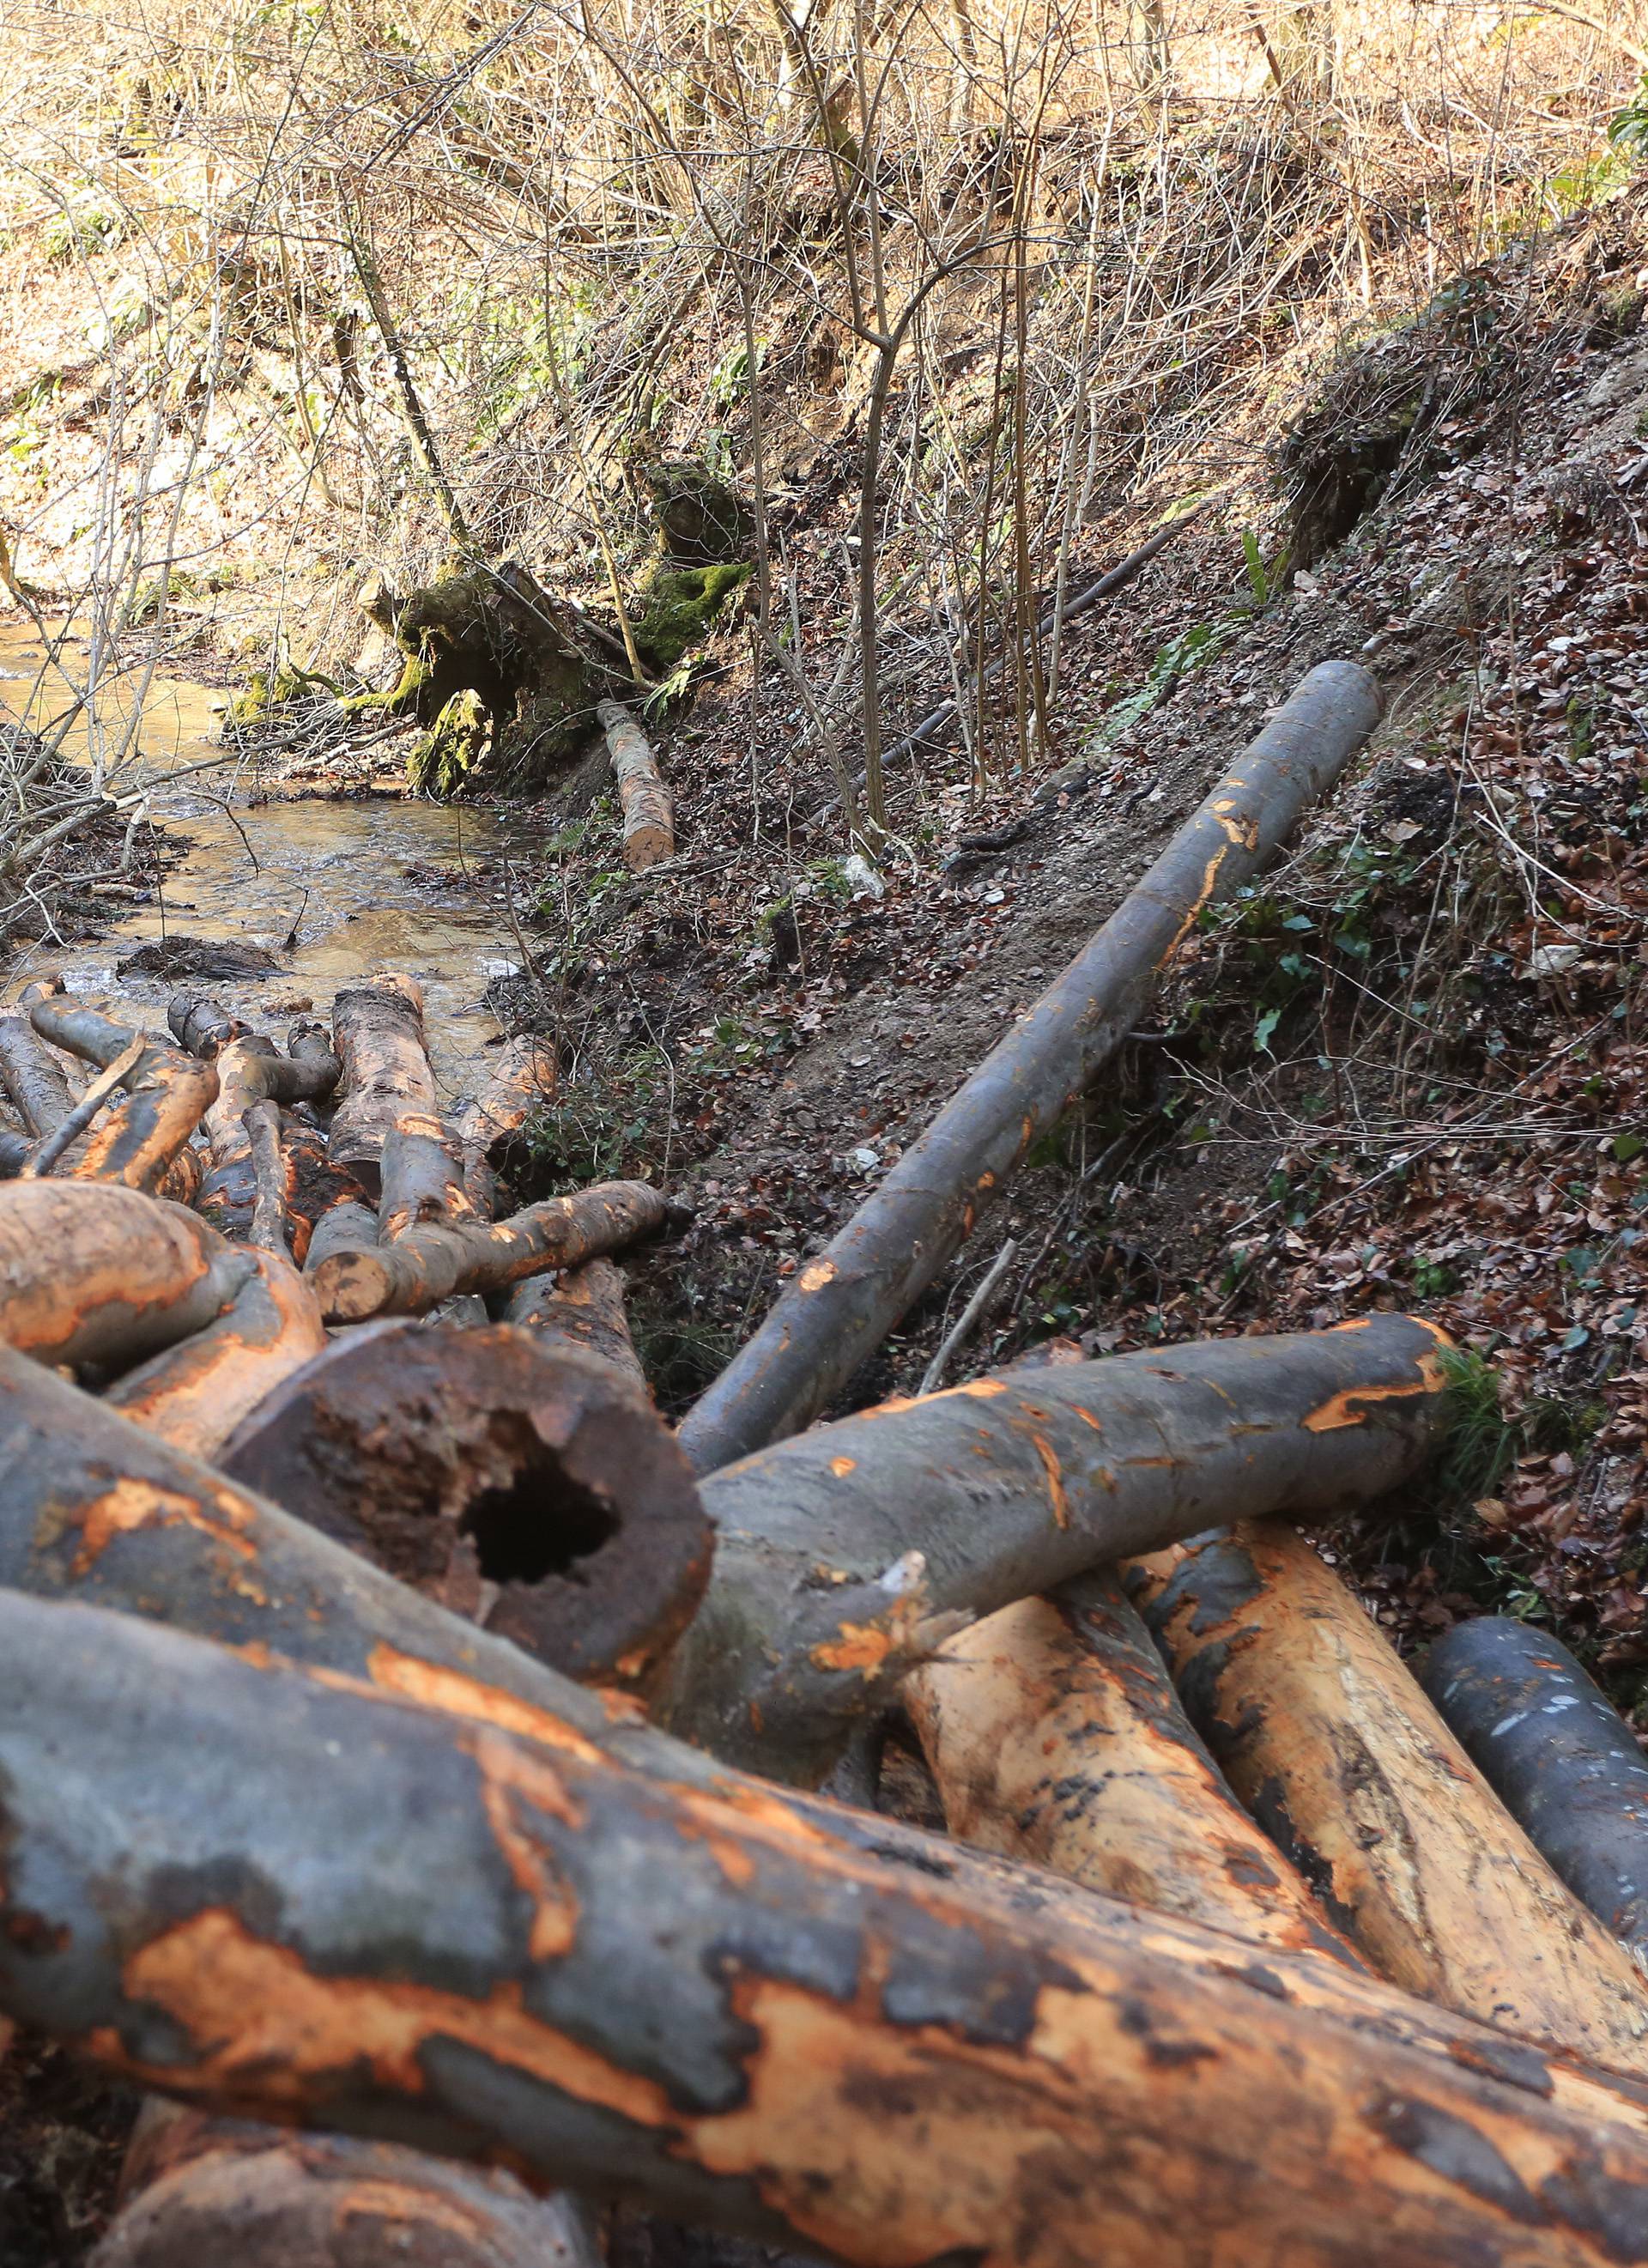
pixel 344 1663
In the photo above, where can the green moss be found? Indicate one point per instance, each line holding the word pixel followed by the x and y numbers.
pixel 677 607
pixel 449 750
pixel 266 690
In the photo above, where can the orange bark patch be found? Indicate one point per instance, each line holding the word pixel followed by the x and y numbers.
pixel 1057 1496
pixel 434 1687
pixel 130 1505
pixel 816 1275
pixel 841 1466
pixel 507 1771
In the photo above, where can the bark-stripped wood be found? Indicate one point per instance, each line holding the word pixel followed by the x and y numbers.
pixel 540 1493
pixel 581 1308
pixel 521 1077
pixel 32 1076
pixel 412 1922
pixel 378 1033
pixel 263 1124
pixel 422 1177
pixel 166 1096
pixel 1322 1732
pixel 1055 1735
pixel 1560 1757
pixel 432 1261
pixel 251 1071
pixel 197 1393
pixel 838 1308
pixel 74 1124
pixel 106 1275
pixel 204 2192
pixel 844 1557
pixel 648 807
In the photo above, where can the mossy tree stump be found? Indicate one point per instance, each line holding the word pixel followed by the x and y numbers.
pixel 490 666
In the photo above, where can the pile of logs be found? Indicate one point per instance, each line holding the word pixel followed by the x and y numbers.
pixel 401 1744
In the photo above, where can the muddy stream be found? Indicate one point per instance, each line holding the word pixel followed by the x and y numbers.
pixel 370 883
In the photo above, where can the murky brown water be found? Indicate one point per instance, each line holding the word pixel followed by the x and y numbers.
pixel 354 875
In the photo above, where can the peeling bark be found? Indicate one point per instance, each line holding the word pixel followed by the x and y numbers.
pixel 581 1308
pixel 224 2194
pixel 432 1261
pixel 167 1093
pixel 844 1557
pixel 841 1305
pixel 1560 1757
pixel 106 1275
pixel 1055 1736
pixel 1324 1735
pixel 197 1393
pixel 411 1923
pixel 422 1179
pixel 378 1030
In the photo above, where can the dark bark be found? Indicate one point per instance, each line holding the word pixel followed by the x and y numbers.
pixel 434 1260
pixel 1323 1732
pixel 844 1557
pixel 167 1093
pixel 32 1077
pixel 263 1123
pixel 106 1275
pixel 412 1923
pixel 1558 1755
pixel 539 1492
pixel 840 1305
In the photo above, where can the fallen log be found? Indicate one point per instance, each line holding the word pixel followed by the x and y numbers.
pixel 407 1923
pixel 377 1034
pixel 1321 1730
pixel 540 1494
pixel 106 1275
pixel 263 1125
pixel 432 1261
pixel 69 1130
pixel 842 1557
pixel 421 1179
pixel 167 1092
pixel 16 1150
pixel 649 811
pixel 1055 1736
pixel 581 1307
pixel 346 1225
pixel 841 1303
pixel 1559 1757
pixel 197 1392
pixel 202 2192
pixel 32 1076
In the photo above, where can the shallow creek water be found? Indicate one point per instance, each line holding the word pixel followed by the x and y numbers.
pixel 372 902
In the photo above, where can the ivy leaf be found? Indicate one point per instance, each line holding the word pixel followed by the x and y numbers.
pixel 1265 1028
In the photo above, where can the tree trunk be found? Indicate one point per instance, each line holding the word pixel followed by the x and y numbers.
pixel 377 1032
pixel 1559 1757
pixel 196 1393
pixel 423 1178
pixel 106 1275
pixel 581 1307
pixel 649 814
pixel 411 1923
pixel 539 1493
pixel 841 1305
pixel 432 1260
pixel 167 1092
pixel 32 1077
pixel 1326 1737
pixel 1056 1737
pixel 224 2193
pixel 845 1556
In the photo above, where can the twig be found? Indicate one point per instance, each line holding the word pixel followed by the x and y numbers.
pixel 52 1147
pixel 969 1316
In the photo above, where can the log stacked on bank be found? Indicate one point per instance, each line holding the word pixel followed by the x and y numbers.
pixel 332 1796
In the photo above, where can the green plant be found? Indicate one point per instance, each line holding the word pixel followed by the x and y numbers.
pixel 1479 1443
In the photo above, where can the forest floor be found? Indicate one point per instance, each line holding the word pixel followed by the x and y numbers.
pixel 1407 1069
